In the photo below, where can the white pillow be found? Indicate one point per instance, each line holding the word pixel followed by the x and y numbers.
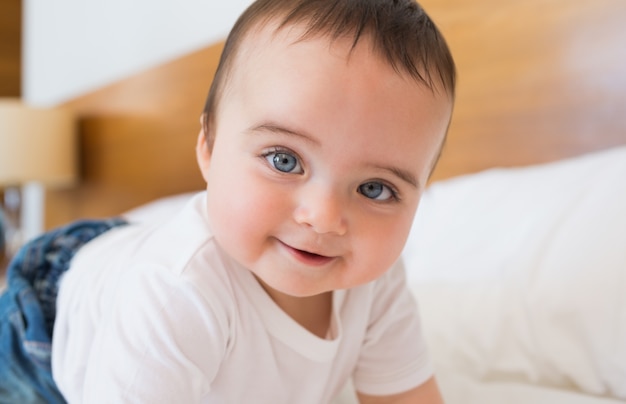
pixel 521 273
pixel 159 209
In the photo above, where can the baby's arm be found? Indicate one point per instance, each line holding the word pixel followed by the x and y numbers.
pixel 426 393
pixel 393 356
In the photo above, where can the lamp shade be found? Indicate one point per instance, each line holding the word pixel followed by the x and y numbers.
pixel 36 144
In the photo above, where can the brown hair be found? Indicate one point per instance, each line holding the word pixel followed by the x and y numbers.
pixel 401 32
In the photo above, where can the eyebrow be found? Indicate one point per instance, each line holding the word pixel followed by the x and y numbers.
pixel 283 130
pixel 272 127
pixel 400 173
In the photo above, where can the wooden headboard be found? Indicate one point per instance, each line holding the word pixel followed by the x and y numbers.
pixel 539 80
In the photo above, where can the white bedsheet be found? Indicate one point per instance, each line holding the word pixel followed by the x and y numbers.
pixel 461 389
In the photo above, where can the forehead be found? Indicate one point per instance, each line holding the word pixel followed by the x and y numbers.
pixel 328 87
pixel 422 56
pixel 268 41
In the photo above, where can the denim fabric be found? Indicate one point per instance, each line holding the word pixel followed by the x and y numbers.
pixel 28 310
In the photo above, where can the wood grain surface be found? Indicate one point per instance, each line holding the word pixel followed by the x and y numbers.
pixel 539 80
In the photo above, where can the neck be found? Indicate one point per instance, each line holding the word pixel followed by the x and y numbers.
pixel 311 312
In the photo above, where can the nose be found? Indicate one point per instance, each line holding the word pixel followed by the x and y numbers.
pixel 321 209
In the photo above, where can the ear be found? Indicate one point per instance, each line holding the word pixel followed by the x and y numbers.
pixel 203 155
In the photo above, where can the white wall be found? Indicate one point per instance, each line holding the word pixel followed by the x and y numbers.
pixel 74 46
pixel 71 47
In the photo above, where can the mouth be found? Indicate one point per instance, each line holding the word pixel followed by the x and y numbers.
pixel 306 257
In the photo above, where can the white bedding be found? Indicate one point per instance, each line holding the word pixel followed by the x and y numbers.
pixel 521 279
pixel 459 388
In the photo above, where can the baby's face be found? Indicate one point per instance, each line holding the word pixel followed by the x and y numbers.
pixel 319 162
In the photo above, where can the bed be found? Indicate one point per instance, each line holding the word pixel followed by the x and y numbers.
pixel 518 252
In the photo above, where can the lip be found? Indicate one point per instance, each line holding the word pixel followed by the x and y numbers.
pixel 305 257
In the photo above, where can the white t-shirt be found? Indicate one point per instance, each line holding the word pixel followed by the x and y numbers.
pixel 160 314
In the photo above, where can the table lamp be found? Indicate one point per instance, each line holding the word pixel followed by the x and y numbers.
pixel 37 149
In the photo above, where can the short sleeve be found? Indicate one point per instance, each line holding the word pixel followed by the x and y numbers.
pixel 394 356
pixel 162 343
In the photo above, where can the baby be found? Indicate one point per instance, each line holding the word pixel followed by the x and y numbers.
pixel 281 282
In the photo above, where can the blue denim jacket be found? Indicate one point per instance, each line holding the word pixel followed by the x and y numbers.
pixel 28 310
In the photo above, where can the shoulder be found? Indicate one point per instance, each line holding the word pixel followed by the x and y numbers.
pixel 391 295
pixel 176 265
pixel 173 267
pixel 156 297
pixel 393 354
pixel 375 301
pixel 172 242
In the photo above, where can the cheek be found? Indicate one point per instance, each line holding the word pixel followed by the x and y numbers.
pixel 243 213
pixel 380 244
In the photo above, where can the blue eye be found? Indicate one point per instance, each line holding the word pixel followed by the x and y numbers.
pixel 284 162
pixel 377 191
